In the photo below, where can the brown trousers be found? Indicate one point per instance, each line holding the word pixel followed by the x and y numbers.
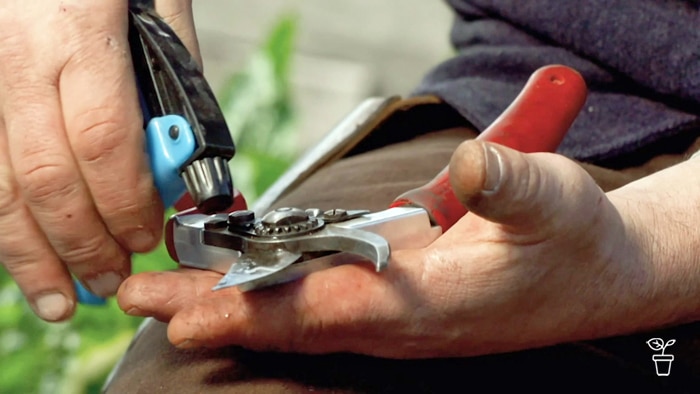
pixel 371 180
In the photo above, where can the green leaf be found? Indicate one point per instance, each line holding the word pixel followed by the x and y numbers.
pixel 260 113
pixel 280 47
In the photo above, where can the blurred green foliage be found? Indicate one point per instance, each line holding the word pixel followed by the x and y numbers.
pixel 75 357
pixel 260 113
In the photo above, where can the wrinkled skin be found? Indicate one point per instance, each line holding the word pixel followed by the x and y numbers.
pixel 543 257
pixel 76 194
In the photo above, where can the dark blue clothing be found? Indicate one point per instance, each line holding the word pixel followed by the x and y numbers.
pixel 640 58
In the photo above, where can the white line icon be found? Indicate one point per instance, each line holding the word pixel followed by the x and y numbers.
pixel 662 361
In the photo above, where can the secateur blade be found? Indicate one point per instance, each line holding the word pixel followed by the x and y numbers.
pixel 253 266
pixel 247 249
pixel 269 255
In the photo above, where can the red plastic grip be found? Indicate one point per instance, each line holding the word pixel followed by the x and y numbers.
pixel 536 121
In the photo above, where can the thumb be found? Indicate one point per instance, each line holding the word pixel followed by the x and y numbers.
pixel 178 14
pixel 518 189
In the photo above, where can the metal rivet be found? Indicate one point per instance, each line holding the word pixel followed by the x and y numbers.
pixel 174 132
pixel 241 218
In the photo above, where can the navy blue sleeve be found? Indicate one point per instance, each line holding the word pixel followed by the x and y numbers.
pixel 640 59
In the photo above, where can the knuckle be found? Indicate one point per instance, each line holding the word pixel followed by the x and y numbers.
pixel 174 10
pixel 43 183
pixel 26 261
pixel 128 196
pixel 90 54
pixel 84 251
pixel 121 211
pixel 24 88
pixel 11 43
pixel 174 15
pixel 98 134
pixel 24 60
pixel 128 214
pixel 17 259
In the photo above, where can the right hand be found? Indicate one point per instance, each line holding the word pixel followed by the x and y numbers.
pixel 535 262
pixel 76 193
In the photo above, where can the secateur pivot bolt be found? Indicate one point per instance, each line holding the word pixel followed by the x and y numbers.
pixel 243 219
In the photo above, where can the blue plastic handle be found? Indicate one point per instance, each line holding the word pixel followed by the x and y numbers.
pixel 169 143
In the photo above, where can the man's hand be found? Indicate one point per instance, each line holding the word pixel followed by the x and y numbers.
pixel 542 258
pixel 76 193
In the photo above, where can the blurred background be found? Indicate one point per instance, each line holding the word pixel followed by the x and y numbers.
pixel 285 72
pixel 344 50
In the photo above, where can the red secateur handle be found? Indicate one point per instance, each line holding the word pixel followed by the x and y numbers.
pixel 536 121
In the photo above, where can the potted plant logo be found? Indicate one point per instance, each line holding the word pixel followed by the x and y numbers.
pixel 662 361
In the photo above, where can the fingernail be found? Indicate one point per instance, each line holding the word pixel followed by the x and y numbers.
pixel 105 284
pixel 141 240
pixel 136 312
pixel 52 306
pixel 494 167
pixel 187 344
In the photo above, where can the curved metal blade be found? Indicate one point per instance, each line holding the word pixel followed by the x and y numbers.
pixel 370 246
pixel 260 261
pixel 255 265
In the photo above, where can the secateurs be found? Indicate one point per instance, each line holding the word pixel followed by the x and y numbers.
pixel 288 243
pixel 187 140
